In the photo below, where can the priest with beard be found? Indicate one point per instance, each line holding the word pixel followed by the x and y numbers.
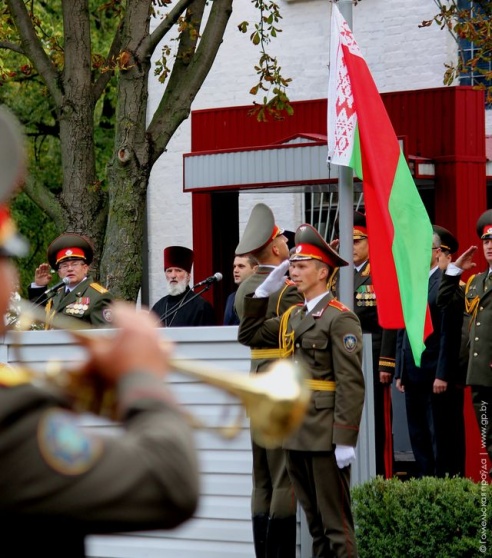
pixel 181 307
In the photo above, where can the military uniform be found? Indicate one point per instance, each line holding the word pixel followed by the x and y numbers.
pixel 478 307
pixel 327 341
pixel 383 357
pixel 273 504
pixel 60 483
pixel 88 302
pixel 85 300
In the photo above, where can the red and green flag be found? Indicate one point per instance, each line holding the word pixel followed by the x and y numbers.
pixel 361 136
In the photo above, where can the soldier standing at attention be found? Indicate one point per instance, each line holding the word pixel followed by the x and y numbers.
pixel 273 504
pixel 81 297
pixel 325 337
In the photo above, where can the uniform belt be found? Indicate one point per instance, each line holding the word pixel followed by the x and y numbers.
pixel 321 385
pixel 269 353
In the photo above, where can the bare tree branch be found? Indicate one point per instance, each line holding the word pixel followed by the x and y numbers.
pixel 187 77
pixel 103 79
pixel 46 200
pixel 165 26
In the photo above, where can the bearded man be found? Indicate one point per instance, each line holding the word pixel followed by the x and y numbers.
pixel 181 307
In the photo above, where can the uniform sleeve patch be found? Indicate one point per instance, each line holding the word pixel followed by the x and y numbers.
pixel 65 446
pixel 338 305
pixel 99 288
pixel 107 315
pixel 350 342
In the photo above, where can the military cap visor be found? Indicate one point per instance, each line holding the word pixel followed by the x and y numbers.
pixel 484 225
pixel 448 241
pixel 310 245
pixel 260 230
pixel 68 247
pixel 360 226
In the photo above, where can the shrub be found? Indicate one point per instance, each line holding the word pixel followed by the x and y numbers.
pixel 423 518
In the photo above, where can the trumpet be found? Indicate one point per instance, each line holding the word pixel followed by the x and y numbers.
pixel 275 400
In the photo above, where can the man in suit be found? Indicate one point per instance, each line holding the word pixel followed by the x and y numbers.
pixel 273 503
pixel 478 307
pixel 325 337
pixel 424 386
pixel 455 351
pixel 242 268
pixel 71 255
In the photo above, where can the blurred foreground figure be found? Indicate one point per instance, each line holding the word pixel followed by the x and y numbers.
pixel 60 482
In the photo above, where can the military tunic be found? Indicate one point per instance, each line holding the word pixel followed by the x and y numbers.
pixel 328 343
pixel 272 494
pixel 61 482
pixel 478 305
pixel 88 301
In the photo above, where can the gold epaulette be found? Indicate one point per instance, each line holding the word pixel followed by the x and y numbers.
pixel 99 288
pixel 338 305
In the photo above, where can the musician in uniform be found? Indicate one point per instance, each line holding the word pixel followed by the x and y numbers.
pixel 478 307
pixel 325 337
pixel 273 504
pixel 181 306
pixel 61 482
pixel 71 255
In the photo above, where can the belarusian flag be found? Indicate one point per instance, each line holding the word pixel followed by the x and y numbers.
pixel 360 135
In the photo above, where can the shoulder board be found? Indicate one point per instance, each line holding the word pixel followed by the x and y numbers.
pixel 338 305
pixel 99 288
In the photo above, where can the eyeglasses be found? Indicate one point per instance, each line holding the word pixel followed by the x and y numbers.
pixel 66 265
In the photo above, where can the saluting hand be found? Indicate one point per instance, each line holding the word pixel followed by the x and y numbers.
pixel 274 282
pixel 465 261
pixel 42 275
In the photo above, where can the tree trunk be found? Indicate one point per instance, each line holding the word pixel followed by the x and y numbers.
pixel 129 169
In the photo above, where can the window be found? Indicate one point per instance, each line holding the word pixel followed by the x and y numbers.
pixel 476 75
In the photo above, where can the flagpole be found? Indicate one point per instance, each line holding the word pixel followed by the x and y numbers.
pixel 346 206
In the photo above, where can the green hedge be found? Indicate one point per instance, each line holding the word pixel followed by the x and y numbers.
pixel 423 518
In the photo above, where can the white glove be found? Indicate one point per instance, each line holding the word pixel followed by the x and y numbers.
pixel 345 456
pixel 274 282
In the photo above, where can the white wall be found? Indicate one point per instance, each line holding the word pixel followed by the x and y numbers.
pixel 400 55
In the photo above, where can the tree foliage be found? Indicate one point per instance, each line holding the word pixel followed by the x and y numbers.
pixel 76 73
pixel 469 21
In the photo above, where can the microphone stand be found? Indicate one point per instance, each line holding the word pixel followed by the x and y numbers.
pixel 180 305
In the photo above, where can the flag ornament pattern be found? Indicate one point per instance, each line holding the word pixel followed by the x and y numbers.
pixel 361 136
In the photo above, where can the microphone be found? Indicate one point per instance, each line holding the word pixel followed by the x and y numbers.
pixel 64 281
pixel 209 280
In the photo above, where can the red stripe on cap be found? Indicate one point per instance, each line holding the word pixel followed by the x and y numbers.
pixel 69 253
pixel 314 253
pixel 487 231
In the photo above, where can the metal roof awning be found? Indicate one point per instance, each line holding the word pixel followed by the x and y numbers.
pixel 297 163
pixel 299 160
